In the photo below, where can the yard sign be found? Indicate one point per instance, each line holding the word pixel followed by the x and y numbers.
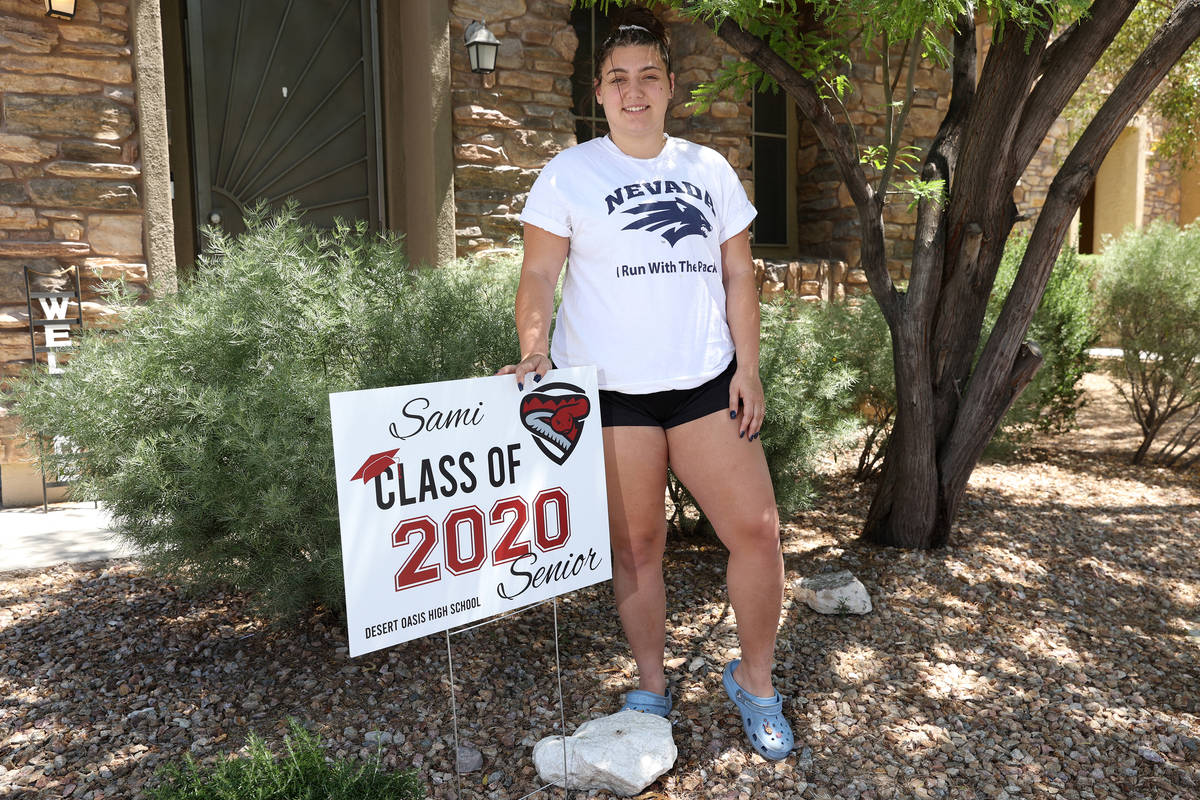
pixel 464 499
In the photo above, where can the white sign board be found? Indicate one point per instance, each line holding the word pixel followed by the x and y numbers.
pixel 464 499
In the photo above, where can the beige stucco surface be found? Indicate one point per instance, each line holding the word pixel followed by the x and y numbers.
pixel 1189 195
pixel 150 85
pixel 1120 186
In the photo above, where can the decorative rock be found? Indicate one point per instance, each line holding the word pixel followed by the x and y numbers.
pixel 84 193
pixel 13 193
pixel 512 179
pixel 10 249
pixel 67 229
pixel 61 213
pixel 27 36
pixel 85 169
pixel 622 753
pixel 527 148
pixel 723 109
pixel 495 10
pixel 109 269
pixel 68 115
pixel 107 71
pixel 48 84
pixel 22 219
pixel 469 759
pixel 115 234
pixel 565 42
pixel 24 149
pixel 835 593
pixel 93 34
pixel 120 93
pixel 90 151
pixel 492 117
pixel 377 738
pixel 1151 755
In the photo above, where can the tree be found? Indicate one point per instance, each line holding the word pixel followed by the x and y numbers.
pixel 949 401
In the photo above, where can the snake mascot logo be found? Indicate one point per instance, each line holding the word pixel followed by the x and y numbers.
pixel 555 415
pixel 672 219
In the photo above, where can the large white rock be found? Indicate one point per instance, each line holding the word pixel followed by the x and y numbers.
pixel 835 593
pixel 622 753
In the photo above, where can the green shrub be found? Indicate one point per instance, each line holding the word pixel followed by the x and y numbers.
pixel 300 772
pixel 1064 325
pixel 204 423
pixel 1150 296
pixel 863 342
pixel 808 392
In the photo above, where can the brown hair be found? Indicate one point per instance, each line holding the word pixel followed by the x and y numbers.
pixel 634 25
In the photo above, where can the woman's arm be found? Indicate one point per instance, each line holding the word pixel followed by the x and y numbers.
pixel 741 312
pixel 545 255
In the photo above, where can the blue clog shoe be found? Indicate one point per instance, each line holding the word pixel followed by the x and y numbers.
pixel 762 718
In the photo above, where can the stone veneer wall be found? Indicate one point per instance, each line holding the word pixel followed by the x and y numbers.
pixel 1162 199
pixel 70 168
pixel 828 221
pixel 504 134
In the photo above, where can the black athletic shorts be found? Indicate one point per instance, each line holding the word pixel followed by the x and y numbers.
pixel 668 408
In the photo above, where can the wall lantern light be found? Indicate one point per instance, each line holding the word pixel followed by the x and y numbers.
pixel 60 9
pixel 482 45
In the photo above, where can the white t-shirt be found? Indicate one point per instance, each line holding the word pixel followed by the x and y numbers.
pixel 642 299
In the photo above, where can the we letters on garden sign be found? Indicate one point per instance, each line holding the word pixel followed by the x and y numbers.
pixel 465 499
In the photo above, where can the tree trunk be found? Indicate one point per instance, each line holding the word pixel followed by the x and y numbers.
pixel 949 404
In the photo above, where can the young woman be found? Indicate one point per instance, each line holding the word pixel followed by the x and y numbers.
pixel 660 296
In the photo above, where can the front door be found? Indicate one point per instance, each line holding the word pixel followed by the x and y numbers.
pixel 284 106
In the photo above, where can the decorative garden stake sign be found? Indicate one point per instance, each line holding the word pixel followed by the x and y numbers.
pixel 464 499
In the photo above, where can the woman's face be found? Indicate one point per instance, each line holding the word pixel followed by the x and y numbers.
pixel 634 89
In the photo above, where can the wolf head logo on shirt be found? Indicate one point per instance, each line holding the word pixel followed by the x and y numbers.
pixel 672 219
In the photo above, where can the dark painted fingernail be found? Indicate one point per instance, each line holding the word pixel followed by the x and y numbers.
pixel 755 436
pixel 741 434
pixel 733 415
pixel 520 386
pixel 537 378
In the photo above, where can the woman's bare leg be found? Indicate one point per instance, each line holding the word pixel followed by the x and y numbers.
pixel 635 463
pixel 728 476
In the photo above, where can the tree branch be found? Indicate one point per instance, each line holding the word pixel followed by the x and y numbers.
pixel 816 111
pixel 996 363
pixel 894 133
pixel 1065 65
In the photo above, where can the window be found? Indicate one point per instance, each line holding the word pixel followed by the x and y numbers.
pixel 592 27
pixel 773 140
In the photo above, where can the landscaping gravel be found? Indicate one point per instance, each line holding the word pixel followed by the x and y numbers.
pixel 1050 651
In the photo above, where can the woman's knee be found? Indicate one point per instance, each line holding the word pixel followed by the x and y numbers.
pixel 756 534
pixel 639 548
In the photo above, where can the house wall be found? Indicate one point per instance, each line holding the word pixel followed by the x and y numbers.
pixel 508 125
pixel 1189 194
pixel 1163 182
pixel 71 183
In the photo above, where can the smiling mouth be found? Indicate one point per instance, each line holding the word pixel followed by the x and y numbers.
pixel 636 109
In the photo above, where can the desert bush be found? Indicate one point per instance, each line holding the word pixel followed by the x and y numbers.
pixel 301 771
pixel 860 336
pixel 808 388
pixel 1150 297
pixel 1064 326
pixel 204 423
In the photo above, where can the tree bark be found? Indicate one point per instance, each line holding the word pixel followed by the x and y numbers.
pixel 999 364
pixel 948 405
